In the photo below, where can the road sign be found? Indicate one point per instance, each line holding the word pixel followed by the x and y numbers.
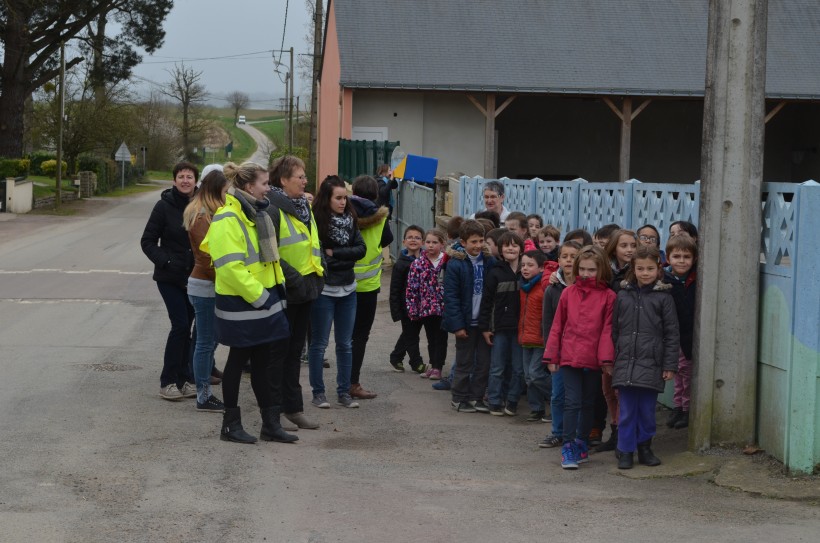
pixel 123 154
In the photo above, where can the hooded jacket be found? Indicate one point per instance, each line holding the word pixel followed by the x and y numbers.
pixel 532 304
pixel 458 288
pixel 398 285
pixel 300 288
pixel 581 333
pixel 165 242
pixel 645 332
pixel 500 304
pixel 683 292
pixel 425 291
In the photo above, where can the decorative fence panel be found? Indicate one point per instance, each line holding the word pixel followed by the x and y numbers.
pixel 415 204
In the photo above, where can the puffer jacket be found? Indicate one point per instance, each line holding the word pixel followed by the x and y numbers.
pixel 339 267
pixel 683 292
pixel 618 275
pixel 550 304
pixel 458 288
pixel 398 285
pixel 645 332
pixel 425 288
pixel 500 304
pixel 581 333
pixel 532 302
pixel 165 242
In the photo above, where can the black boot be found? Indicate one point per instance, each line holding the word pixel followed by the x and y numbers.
pixel 232 427
pixel 272 428
pixel 612 442
pixel 625 459
pixel 674 417
pixel 683 421
pixel 645 454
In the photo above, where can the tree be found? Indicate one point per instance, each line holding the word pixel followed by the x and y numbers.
pixel 31 33
pixel 238 100
pixel 186 89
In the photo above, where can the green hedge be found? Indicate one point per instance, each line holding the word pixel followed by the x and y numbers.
pixel 105 169
pixel 14 167
pixel 37 158
pixel 49 168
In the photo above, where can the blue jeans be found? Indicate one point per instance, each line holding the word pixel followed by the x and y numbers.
pixel 506 353
pixel 557 404
pixel 204 346
pixel 341 313
pixel 539 380
pixel 580 388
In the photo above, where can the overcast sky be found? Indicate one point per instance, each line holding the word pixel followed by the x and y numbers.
pixel 196 30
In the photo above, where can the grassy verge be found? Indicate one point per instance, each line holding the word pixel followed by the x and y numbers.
pixel 158 175
pixel 243 144
pixel 144 186
pixel 274 130
pixel 46 186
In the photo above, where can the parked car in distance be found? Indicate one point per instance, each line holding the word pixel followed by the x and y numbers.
pixel 241 119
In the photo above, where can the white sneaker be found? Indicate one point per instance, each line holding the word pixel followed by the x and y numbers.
pixel 171 392
pixel 188 390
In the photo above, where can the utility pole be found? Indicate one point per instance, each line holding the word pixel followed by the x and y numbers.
pixel 724 397
pixel 318 17
pixel 290 105
pixel 59 198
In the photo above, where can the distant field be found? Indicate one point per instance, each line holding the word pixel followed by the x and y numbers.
pixel 250 114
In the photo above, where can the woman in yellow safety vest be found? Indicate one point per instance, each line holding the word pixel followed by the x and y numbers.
pixel 250 316
pixel 372 221
pixel 298 239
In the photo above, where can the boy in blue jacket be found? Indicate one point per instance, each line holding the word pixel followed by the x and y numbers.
pixel 463 288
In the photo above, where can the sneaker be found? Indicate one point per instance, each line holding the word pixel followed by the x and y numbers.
pixel 420 368
pixel 481 407
pixel 345 400
pixel 595 436
pixel 547 418
pixel 496 410
pixel 463 407
pixel 397 366
pixel 426 374
pixel 188 390
pixel 581 451
pixel 320 401
pixel 551 441
pixel 535 416
pixel 211 405
pixel 568 460
pixel 444 384
pixel 435 375
pixel 511 409
pixel 171 392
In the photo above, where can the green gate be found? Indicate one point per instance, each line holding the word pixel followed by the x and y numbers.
pixel 362 157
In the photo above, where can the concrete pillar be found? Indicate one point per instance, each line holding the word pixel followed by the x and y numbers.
pixel 725 381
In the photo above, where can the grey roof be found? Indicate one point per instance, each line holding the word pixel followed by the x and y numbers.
pixel 637 47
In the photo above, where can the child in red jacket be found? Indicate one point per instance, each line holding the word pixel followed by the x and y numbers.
pixel 580 343
pixel 539 381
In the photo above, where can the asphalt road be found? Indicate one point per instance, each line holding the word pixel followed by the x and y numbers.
pixel 264 146
pixel 89 452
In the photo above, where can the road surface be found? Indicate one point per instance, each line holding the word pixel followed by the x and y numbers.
pixel 90 453
pixel 264 146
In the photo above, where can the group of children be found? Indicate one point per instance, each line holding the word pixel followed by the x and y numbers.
pixel 589 327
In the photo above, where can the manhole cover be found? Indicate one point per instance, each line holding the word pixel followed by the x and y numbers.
pixel 110 366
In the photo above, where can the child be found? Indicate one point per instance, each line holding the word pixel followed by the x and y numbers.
pixel 649 235
pixel 580 343
pixel 491 240
pixel 645 330
pixel 425 300
pixel 534 224
pixel 566 259
pixel 491 216
pixel 463 288
pixel 683 226
pixel 580 235
pixel 530 337
pixel 498 322
pixel 682 252
pixel 548 238
pixel 453 226
pixel 413 237
pixel 517 222
pixel 601 236
pixel 486 224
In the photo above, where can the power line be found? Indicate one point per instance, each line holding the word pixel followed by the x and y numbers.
pixel 284 29
pixel 225 57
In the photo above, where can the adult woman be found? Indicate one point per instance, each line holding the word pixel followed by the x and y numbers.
pixel 165 242
pixel 301 261
pixel 196 220
pixel 343 246
pixel 249 315
pixel 372 221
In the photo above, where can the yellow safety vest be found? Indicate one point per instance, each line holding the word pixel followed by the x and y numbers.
pixel 299 246
pixel 369 269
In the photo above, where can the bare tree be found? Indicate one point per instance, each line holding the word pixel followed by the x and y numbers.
pixel 238 100
pixel 186 89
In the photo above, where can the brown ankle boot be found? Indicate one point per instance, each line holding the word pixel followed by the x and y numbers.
pixel 360 393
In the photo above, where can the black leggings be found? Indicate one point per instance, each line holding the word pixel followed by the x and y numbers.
pixel 266 360
pixel 365 314
pixel 436 341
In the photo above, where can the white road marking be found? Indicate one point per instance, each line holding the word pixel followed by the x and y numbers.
pixel 75 272
pixel 31 301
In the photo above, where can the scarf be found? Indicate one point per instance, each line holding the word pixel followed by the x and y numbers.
pixel 301 205
pixel 255 210
pixel 340 228
pixel 526 286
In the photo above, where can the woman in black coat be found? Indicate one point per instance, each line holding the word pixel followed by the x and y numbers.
pixel 165 242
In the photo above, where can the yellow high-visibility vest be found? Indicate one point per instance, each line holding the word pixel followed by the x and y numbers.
pixel 299 245
pixel 369 269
